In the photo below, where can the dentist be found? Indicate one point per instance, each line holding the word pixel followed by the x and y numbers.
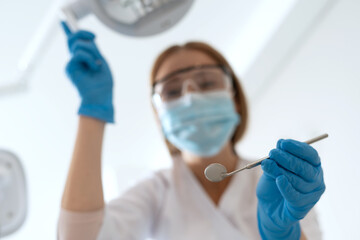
pixel 202 112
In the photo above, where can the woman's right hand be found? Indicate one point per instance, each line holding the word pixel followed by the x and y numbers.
pixel 90 73
pixel 292 183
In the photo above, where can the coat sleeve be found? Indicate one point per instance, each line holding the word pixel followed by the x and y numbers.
pixel 130 216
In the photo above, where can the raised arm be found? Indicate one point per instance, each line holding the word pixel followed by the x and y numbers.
pixel 90 74
pixel 83 190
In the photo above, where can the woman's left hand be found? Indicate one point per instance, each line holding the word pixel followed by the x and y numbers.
pixel 291 185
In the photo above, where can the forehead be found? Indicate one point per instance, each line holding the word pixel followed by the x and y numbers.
pixel 182 59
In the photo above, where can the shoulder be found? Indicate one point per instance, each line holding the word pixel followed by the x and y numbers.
pixel 133 213
pixel 154 184
pixel 160 179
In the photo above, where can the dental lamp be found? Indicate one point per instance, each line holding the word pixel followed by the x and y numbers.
pixel 13 197
pixel 130 17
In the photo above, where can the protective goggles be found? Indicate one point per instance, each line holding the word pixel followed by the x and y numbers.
pixel 202 79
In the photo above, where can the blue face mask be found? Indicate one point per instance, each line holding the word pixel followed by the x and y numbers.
pixel 200 123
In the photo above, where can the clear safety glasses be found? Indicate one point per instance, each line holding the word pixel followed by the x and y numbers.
pixel 202 79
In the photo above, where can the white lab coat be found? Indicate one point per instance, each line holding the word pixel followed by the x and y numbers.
pixel 171 205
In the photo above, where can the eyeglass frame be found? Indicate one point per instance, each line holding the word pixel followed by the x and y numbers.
pixel 225 69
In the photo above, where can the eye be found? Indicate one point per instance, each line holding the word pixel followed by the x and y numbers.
pixel 171 94
pixel 207 84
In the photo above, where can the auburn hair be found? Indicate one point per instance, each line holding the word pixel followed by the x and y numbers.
pixel 239 96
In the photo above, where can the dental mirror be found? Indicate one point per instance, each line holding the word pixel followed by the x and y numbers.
pixel 216 172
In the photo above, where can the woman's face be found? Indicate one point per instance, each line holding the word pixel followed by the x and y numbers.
pixel 183 59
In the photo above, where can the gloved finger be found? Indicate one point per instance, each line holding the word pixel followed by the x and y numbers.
pixel 82 60
pixel 287 190
pixel 267 184
pixel 294 164
pixel 66 28
pixel 294 197
pixel 80 35
pixel 271 168
pixel 87 47
pixel 313 197
pixel 301 150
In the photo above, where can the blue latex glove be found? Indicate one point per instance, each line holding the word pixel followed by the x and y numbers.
pixel 91 75
pixel 291 185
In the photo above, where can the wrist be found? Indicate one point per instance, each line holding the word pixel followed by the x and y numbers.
pixel 270 229
pixel 101 112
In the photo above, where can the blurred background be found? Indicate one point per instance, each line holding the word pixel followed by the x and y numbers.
pixel 299 65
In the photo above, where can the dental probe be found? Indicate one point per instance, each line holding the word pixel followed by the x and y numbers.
pixel 216 172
